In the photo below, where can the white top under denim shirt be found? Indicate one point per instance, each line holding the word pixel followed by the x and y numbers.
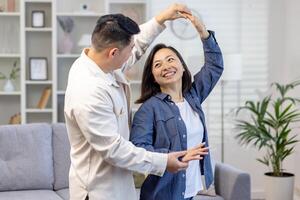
pixel 194 130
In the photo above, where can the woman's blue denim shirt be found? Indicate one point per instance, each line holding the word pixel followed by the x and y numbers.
pixel 158 127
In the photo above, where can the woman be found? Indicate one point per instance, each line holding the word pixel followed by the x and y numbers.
pixel 171 117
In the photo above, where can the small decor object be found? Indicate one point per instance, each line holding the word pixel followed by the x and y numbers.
pixel 11 5
pixel 66 44
pixel 44 98
pixel 38 18
pixel 84 7
pixel 15 119
pixel 9 86
pixel 38 69
pixel 1 7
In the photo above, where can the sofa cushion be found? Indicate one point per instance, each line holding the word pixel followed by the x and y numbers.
pixel 61 156
pixel 26 157
pixel 30 195
pixel 64 194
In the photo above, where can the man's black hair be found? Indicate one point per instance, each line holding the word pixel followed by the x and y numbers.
pixel 113 29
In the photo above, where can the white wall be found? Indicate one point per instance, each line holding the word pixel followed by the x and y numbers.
pixel 284 54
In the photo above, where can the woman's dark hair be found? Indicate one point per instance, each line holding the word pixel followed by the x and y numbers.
pixel 149 86
pixel 113 29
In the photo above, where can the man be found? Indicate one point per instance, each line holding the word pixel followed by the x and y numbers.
pixel 96 111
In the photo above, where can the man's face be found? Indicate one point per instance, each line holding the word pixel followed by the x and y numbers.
pixel 122 55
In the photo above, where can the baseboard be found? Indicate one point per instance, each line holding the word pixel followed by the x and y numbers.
pixel 257 194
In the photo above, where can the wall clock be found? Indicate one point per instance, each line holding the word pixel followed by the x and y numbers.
pixel 184 29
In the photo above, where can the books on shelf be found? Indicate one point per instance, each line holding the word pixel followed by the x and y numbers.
pixel 15 119
pixel 44 98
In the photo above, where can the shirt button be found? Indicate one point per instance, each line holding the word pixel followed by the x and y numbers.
pixel 184 136
pixel 182 193
pixel 172 103
pixel 179 118
pixel 183 175
pixel 169 97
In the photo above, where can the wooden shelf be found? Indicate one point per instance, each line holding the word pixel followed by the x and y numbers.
pixel 9 55
pixel 38 82
pixel 37 110
pixel 38 1
pixel 45 42
pixel 127 2
pixel 8 14
pixel 2 93
pixel 79 14
pixel 31 29
pixel 68 55
pixel 61 92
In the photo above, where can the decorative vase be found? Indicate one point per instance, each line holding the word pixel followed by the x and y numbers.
pixel 279 188
pixel 66 44
pixel 11 5
pixel 9 86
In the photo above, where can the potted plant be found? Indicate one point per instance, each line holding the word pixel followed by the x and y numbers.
pixel 269 127
pixel 9 86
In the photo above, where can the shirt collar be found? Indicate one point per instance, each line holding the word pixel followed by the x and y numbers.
pixel 109 78
pixel 163 96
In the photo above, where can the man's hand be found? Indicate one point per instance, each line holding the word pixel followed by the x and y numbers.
pixel 195 153
pixel 172 12
pixel 174 164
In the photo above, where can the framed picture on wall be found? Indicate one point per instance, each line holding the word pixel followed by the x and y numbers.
pixel 38 69
pixel 38 18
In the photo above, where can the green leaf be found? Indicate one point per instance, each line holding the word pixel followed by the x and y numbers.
pixel 263 161
pixel 269 127
pixel 2 76
pixel 286 110
pixel 277 105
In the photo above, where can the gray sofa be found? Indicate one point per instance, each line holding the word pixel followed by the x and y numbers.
pixel 34 165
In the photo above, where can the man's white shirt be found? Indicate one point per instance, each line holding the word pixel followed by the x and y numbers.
pixel 96 112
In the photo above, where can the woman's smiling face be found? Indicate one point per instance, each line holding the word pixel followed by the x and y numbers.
pixel 167 68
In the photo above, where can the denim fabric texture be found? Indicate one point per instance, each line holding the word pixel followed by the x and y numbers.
pixel 157 126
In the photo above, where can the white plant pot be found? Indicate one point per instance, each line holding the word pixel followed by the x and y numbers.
pixel 279 188
pixel 9 86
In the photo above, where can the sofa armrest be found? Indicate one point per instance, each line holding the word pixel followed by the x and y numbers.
pixel 231 183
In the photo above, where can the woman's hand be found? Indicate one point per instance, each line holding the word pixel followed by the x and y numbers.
pixel 198 24
pixel 195 153
pixel 173 12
